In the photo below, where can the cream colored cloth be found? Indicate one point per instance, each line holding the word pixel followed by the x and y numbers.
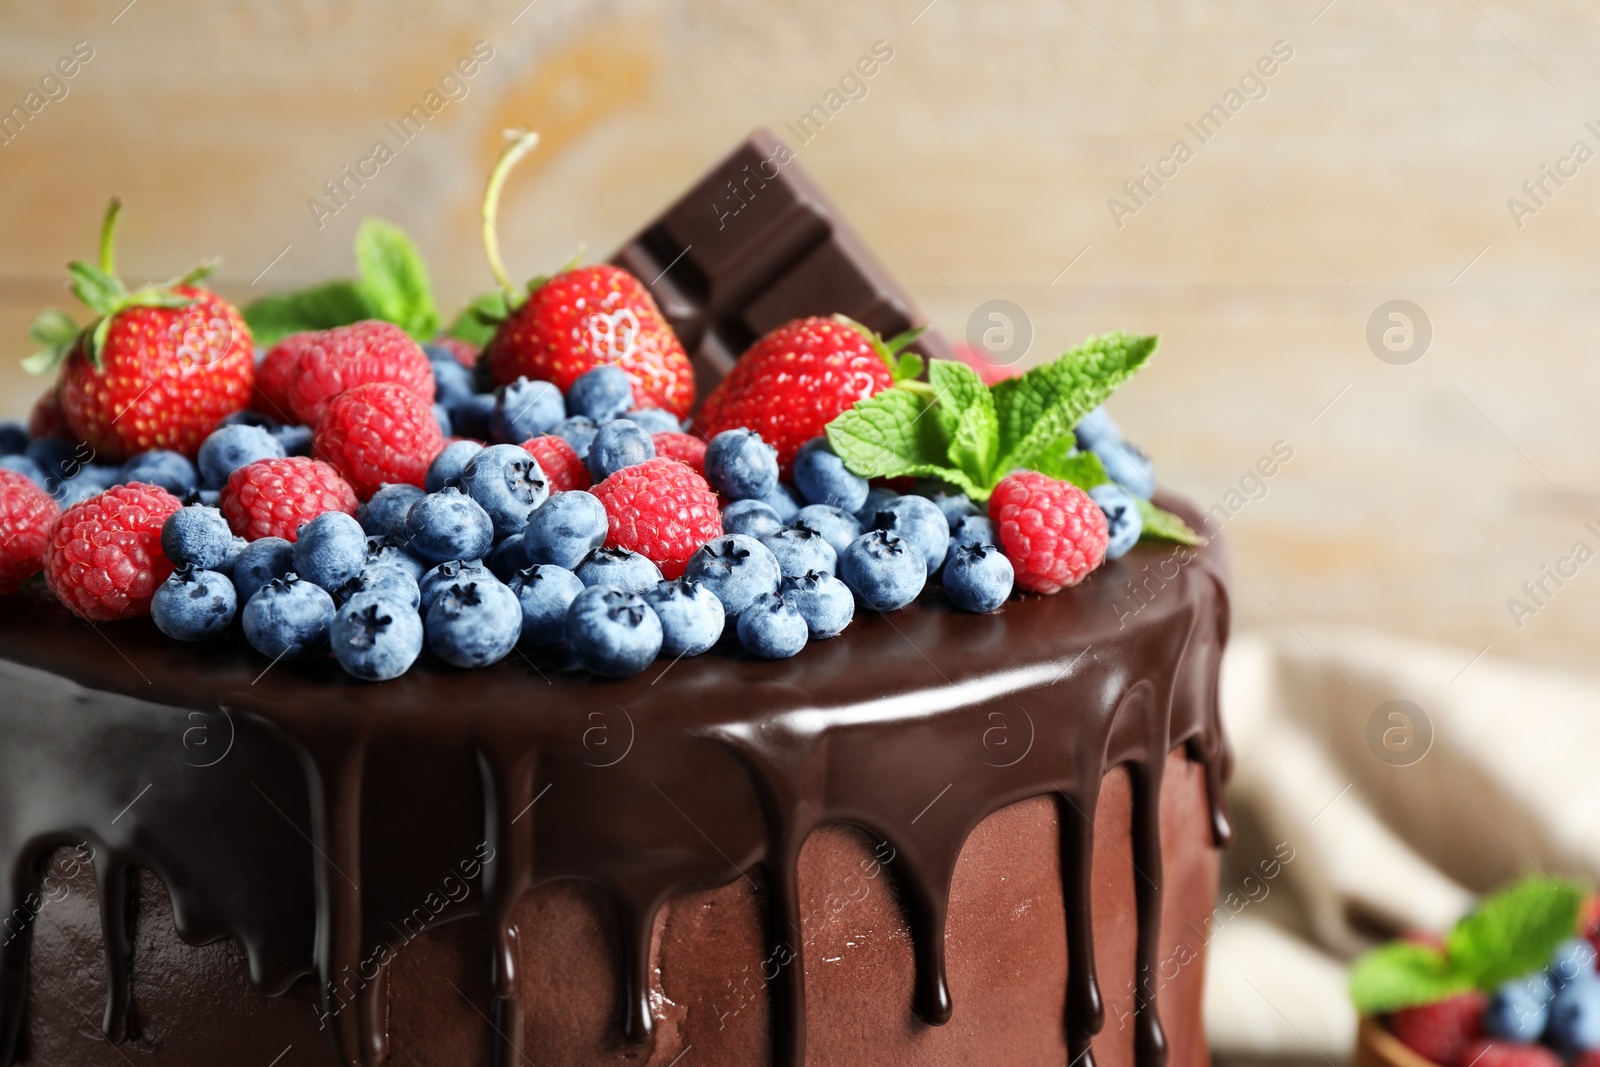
pixel 1380 839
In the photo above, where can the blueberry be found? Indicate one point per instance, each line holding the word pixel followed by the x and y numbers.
pixel 330 550
pixel 230 448
pixel 753 518
pixel 1574 1024
pixel 288 618
pixel 472 416
pixel 375 637
pixel 193 605
pixel 772 627
pixel 877 498
pixel 13 437
pixel 525 409
pixel 620 568
pixel 438 353
pixel 974 530
pixel 26 467
pixel 822 477
pixel 655 420
pixel 102 475
pixel 785 502
pixel 507 482
pixel 1520 1008
pixel 296 440
pixel 577 431
pixel 618 444
pixel 385 514
pixel 1123 522
pixel 736 569
pixel 198 536
pixel 1096 429
pixel 837 527
pixel 602 394
pixel 75 491
pixel 691 616
pixel 823 601
pixel 170 470
pixel 612 632
pixel 261 561
pixel 565 529
pixel 1128 467
pixel 545 592
pixel 58 459
pixel 955 504
pixel 381 578
pixel 449 525
pixel 390 552
pixel 741 466
pixel 452 383
pixel 236 549
pixel 1574 958
pixel 800 549
pixel 884 570
pixel 506 558
pixel 978 577
pixel 474 625
pixel 246 417
pixel 448 573
pixel 441 419
pixel 446 467
pixel 918 520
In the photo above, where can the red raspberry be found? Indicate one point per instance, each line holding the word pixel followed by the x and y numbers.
pixel 274 375
pixel 104 559
pixel 26 515
pixel 273 497
pixel 332 361
pixel 1589 1057
pixel 560 463
pixel 1052 532
pixel 377 433
pixel 662 510
pixel 1441 1031
pixel 465 352
pixel 1513 1054
pixel 683 447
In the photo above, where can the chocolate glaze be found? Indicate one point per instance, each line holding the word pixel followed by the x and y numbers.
pixel 248 790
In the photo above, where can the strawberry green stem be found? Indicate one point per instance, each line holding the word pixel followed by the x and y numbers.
pixel 107 228
pixel 518 144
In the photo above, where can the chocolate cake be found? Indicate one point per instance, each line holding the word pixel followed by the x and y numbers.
pixel 937 838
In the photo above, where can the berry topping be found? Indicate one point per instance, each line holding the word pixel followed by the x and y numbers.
pixel 565 529
pixel 104 558
pixel 772 627
pixel 1441 1031
pixel 288 618
pixel 691 617
pixel 193 605
pixel 685 448
pixel 1053 533
pixel 331 361
pixel 612 632
pixel 884 570
pixel 737 569
pixel 661 509
pixel 376 637
pixel 473 624
pixel 563 468
pixel 26 515
pixel 741 465
pixel 545 592
pixel 274 497
pixel 378 433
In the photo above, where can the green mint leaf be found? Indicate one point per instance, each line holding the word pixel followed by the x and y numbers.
pixel 99 290
pixel 892 435
pixel 322 307
pixel 1043 405
pixel 964 412
pixel 1403 974
pixel 1061 459
pixel 1515 931
pixel 394 280
pixel 907 367
pixel 1162 525
pixel 51 327
pixel 478 321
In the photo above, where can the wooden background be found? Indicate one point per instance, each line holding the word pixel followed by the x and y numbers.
pixel 1377 166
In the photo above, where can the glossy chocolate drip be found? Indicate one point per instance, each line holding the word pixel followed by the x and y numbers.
pixel 342 817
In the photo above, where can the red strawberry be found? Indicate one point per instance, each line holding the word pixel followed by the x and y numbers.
pixel 331 361
pixel 683 447
pixel 274 497
pixel 1441 1031
pixel 589 316
pixel 580 319
pixel 795 380
pixel 158 368
pixel 1052 532
pixel 26 516
pixel 662 510
pixel 47 419
pixel 560 463
pixel 376 433
pixel 104 559
pixel 1513 1054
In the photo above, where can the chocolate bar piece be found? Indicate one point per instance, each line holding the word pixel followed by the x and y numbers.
pixel 753 245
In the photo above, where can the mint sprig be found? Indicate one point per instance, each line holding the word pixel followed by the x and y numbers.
pixel 392 285
pixel 955 428
pixel 1508 935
